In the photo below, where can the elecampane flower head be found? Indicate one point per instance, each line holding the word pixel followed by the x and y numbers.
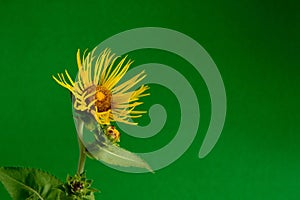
pixel 96 90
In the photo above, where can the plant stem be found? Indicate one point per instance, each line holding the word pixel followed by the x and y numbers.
pixel 82 152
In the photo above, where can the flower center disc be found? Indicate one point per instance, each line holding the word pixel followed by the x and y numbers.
pixel 103 97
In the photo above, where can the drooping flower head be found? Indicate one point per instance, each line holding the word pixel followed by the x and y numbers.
pixel 96 90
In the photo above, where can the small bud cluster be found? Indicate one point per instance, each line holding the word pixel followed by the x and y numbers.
pixel 78 188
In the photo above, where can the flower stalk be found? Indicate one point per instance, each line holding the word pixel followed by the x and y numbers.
pixel 82 150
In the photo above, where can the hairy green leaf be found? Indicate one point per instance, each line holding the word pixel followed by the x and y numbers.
pixel 29 184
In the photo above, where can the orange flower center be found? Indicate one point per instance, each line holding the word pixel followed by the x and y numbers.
pixel 102 97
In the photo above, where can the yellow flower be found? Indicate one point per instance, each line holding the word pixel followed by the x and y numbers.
pixel 96 91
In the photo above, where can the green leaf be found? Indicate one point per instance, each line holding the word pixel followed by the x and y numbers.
pixel 103 149
pixel 115 155
pixel 29 184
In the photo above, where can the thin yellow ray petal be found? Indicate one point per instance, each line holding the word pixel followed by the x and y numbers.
pixel 84 63
pixel 138 112
pixel 107 70
pixel 59 77
pixel 79 87
pixel 91 104
pixel 122 98
pixel 124 120
pixel 119 74
pixel 125 68
pixel 103 117
pixel 89 66
pixel 83 75
pixel 129 96
pixel 69 77
pixel 97 69
pixel 110 77
pixel 63 78
pixel 107 74
pixel 83 56
pixel 135 116
pixel 63 84
pixel 109 62
pixel 78 59
pixel 89 95
pixel 128 105
pixel 99 66
pixel 76 95
pixel 130 83
pixel 127 83
pixel 57 81
pixel 139 93
pixel 109 58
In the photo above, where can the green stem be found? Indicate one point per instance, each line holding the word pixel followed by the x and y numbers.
pixel 82 151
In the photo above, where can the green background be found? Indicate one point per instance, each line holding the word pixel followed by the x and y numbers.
pixel 255 45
